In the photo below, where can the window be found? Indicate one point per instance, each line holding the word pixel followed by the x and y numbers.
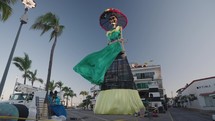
pixel 19 96
pixel 142 86
pixel 145 75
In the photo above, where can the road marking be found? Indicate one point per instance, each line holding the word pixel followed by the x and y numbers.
pixel 13 117
pixel 170 116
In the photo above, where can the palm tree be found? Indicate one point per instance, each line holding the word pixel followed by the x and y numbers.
pixel 59 84
pixel 5 9
pixel 67 93
pixel 87 101
pixel 72 94
pixel 51 86
pixel 47 22
pixel 23 64
pixel 33 77
pixel 83 93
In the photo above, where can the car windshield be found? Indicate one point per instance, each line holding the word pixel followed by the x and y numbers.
pixel 20 96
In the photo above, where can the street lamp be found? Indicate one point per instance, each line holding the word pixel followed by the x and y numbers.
pixel 23 20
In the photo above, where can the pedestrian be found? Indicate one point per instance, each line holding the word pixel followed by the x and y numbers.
pixel 50 98
pixel 56 99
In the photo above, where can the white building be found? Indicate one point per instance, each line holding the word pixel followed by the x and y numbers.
pixel 199 94
pixel 146 75
pixel 95 91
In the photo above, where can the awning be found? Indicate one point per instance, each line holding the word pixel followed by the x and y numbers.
pixel 208 94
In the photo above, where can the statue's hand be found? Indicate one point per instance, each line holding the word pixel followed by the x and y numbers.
pixel 121 40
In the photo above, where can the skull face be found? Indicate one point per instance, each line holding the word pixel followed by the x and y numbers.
pixel 113 20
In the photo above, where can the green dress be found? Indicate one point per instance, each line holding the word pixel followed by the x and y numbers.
pixel 94 66
pixel 118 94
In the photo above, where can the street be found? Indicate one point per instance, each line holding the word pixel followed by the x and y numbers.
pixel 181 114
pixel 173 114
pixel 86 115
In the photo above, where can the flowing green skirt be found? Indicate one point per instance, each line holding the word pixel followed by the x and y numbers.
pixel 94 66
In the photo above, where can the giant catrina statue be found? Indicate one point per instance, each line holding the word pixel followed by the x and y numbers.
pixel 110 69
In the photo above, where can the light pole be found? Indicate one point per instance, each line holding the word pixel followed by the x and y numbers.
pixel 23 20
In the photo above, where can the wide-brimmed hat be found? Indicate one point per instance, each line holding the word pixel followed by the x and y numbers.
pixel 105 16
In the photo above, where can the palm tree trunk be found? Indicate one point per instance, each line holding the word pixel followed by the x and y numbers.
pixel 67 98
pixel 71 102
pixel 49 76
pixel 25 78
pixel 50 63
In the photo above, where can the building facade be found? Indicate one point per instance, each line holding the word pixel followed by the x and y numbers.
pixel 199 94
pixel 148 81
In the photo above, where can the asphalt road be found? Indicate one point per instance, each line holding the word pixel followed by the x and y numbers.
pixel 182 114
pixel 86 115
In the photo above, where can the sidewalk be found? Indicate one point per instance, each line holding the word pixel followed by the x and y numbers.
pixel 205 112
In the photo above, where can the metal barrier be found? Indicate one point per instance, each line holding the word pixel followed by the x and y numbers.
pixel 42 111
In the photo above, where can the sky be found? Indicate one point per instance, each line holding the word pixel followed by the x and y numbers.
pixel 177 35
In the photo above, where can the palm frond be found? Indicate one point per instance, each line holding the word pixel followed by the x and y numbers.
pixel 45 29
pixel 18 66
pixel 18 59
pixel 26 75
pixel 52 35
pixel 47 22
pixel 61 28
pixel 40 80
pixel 37 26
pixel 52 85
pixel 6 9
pixel 9 1
pixel 65 89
